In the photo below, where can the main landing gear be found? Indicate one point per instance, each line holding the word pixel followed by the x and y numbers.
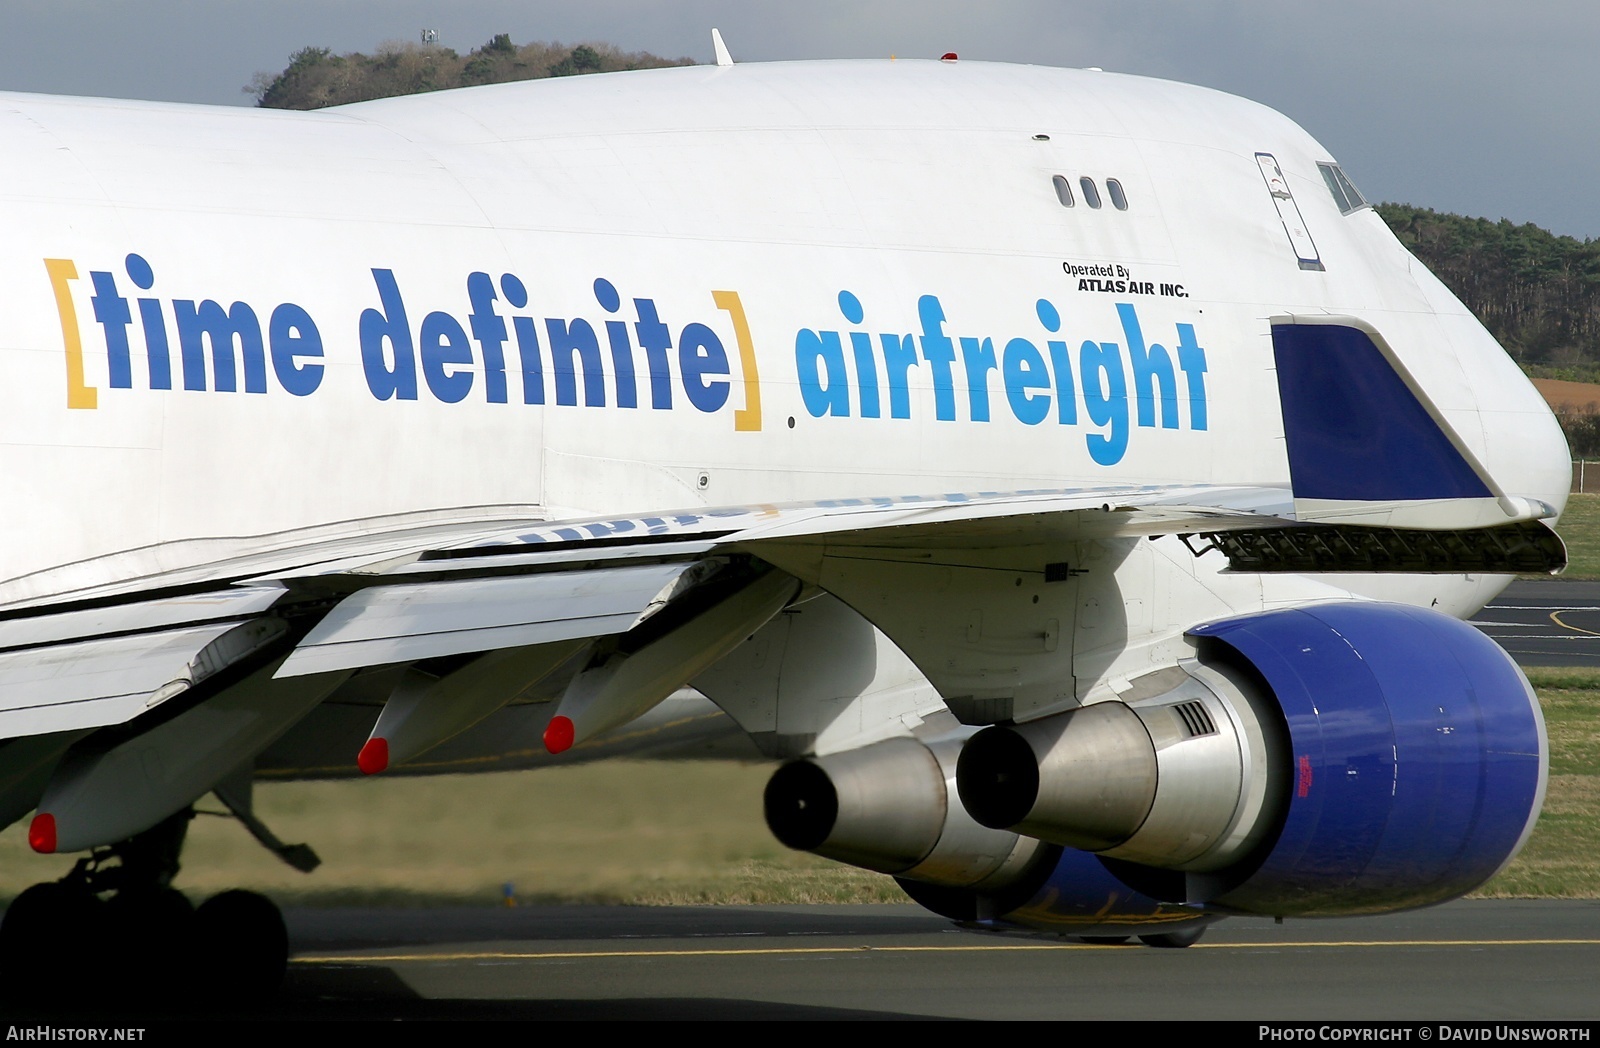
pixel 114 929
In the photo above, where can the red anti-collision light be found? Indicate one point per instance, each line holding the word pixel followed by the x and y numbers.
pixel 374 756
pixel 42 833
pixel 558 735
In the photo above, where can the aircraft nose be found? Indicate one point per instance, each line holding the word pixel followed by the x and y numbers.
pixel 1492 406
pixel 1527 452
pixel 1559 456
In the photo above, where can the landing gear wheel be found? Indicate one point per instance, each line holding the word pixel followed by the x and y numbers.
pixel 243 946
pixel 1105 940
pixel 47 933
pixel 1174 940
pixel 149 934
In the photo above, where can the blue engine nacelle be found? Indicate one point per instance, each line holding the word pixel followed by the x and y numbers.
pixel 1390 757
pixel 1419 757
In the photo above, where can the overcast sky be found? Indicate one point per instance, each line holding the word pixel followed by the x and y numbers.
pixel 1475 106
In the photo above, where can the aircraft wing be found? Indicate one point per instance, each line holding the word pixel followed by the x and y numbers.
pixel 400 597
pixel 397 598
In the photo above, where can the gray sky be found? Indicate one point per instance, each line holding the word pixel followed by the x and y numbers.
pixel 1475 106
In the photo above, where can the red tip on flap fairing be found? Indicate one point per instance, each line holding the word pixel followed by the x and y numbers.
pixel 42 833
pixel 558 735
pixel 374 756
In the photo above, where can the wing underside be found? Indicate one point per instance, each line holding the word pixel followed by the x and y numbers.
pixel 606 617
pixel 103 656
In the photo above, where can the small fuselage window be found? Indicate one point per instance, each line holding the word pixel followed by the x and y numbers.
pixel 1063 190
pixel 1090 190
pixel 1091 195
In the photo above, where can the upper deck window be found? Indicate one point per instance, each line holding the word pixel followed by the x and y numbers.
pixel 1063 190
pixel 1345 194
pixel 1091 192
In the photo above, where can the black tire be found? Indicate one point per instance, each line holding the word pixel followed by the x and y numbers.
pixel 1174 940
pixel 150 943
pixel 242 945
pixel 49 935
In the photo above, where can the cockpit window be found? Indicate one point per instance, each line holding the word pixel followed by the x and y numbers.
pixel 1350 191
pixel 1345 194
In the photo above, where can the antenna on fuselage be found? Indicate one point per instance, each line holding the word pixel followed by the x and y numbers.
pixel 723 58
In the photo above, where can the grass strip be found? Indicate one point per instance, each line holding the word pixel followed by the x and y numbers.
pixel 674 833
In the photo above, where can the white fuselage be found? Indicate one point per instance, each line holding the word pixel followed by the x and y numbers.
pixel 659 290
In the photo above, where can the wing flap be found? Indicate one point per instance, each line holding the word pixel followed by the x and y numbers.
pixel 142 617
pixel 406 622
pixel 110 680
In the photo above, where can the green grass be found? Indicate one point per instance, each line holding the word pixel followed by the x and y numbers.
pixel 648 833
pixel 651 833
pixel 1579 528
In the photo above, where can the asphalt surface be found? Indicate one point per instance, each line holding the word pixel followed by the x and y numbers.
pixel 1467 961
pixel 1546 622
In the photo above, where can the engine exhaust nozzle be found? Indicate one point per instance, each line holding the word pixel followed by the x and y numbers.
pixel 1086 779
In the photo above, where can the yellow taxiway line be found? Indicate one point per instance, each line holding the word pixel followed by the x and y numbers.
pixel 531 955
pixel 1555 617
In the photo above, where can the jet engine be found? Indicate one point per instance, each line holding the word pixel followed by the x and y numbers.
pixel 892 807
pixel 887 807
pixel 1334 759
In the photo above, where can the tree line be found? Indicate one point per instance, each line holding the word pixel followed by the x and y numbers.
pixel 316 77
pixel 1537 292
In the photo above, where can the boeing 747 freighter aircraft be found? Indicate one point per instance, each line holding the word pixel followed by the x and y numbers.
pixel 1066 474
